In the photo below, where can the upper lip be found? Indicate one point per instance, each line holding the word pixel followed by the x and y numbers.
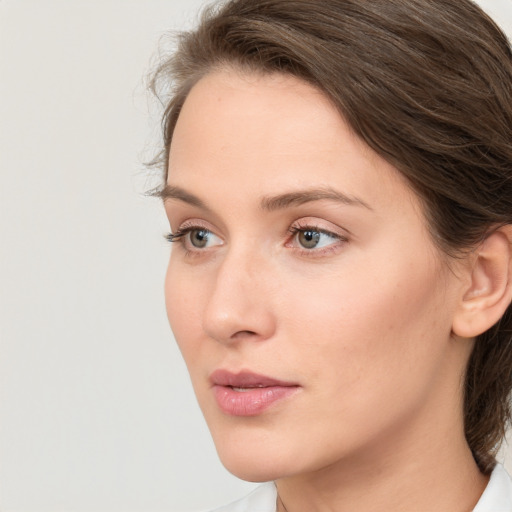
pixel 245 379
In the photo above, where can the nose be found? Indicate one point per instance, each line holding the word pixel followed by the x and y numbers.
pixel 239 307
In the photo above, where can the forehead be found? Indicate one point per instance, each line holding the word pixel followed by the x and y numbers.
pixel 228 105
pixel 273 114
pixel 271 133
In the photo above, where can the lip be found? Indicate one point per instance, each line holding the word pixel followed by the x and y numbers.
pixel 248 394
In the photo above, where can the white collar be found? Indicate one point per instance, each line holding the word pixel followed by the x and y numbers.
pixel 497 496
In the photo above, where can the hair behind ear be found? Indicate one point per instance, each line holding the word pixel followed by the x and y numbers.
pixel 487 407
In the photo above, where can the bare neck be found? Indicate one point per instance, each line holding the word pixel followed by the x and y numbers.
pixel 401 474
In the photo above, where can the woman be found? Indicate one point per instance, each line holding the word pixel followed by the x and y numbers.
pixel 338 182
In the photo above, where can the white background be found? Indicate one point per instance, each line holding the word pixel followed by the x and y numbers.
pixel 96 411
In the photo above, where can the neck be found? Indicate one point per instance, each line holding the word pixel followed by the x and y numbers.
pixel 439 473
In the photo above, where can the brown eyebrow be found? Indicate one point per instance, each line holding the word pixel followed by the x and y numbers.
pixel 273 203
pixel 173 192
pixel 306 196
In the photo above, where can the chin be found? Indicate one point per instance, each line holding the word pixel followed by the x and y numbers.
pixel 251 468
pixel 255 456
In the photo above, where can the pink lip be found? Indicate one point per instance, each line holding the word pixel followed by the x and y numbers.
pixel 256 393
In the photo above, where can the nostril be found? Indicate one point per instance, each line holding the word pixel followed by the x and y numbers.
pixel 244 334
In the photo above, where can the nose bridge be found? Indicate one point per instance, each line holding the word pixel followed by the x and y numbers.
pixel 239 305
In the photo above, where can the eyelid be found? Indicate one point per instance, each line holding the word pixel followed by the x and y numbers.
pixel 190 224
pixel 195 223
pixel 183 215
pixel 323 226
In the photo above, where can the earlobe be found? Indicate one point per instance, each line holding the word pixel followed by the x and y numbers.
pixel 489 290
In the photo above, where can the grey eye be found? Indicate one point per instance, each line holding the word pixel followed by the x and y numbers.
pixel 309 239
pixel 199 237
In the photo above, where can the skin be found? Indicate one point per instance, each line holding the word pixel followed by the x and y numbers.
pixel 362 323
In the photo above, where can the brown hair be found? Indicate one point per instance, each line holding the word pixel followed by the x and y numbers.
pixel 428 85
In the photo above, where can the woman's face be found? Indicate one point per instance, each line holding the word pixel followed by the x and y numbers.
pixel 312 309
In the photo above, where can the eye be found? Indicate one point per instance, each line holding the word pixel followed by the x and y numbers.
pixel 313 240
pixel 195 238
pixel 199 238
pixel 310 239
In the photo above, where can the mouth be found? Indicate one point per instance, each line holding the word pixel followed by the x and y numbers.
pixel 248 394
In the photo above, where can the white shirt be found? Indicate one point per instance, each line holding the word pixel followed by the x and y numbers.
pixel 497 496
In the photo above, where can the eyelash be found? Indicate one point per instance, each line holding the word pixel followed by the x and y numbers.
pixel 179 237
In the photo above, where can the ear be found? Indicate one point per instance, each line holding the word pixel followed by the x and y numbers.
pixel 488 290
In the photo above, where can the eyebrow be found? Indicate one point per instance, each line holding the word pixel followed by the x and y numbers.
pixel 173 192
pixel 300 197
pixel 278 202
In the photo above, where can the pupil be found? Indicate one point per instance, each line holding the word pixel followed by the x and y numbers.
pixel 309 239
pixel 199 238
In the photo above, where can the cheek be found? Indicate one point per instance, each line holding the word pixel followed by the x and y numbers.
pixel 370 348
pixel 376 322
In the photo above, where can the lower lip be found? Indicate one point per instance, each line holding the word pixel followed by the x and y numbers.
pixel 251 401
